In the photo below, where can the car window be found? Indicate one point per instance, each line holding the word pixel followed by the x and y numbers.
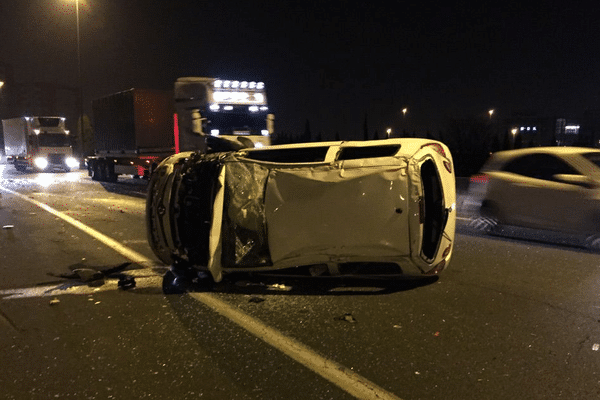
pixel 593 157
pixel 539 166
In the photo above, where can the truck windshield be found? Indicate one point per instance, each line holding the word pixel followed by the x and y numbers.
pixel 49 122
pixel 237 123
pixel 53 140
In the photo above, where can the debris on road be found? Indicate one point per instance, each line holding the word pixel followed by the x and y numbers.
pixel 255 299
pixel 8 226
pixel 126 282
pixel 347 318
pixel 54 301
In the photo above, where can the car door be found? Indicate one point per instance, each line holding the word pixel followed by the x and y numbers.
pixel 539 199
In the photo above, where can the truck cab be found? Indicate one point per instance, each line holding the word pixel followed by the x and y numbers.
pixel 38 143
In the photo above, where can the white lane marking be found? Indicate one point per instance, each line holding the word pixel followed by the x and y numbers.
pixel 149 280
pixel 108 241
pixel 335 373
pixel 344 378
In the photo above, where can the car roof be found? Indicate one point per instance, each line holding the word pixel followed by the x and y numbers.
pixel 566 150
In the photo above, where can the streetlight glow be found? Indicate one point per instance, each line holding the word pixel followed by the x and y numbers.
pixel 389 132
pixel 404 111
pixel 491 112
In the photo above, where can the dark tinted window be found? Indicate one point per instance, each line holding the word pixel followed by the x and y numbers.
pixel 539 166
pixel 593 157
pixel 49 122
pixel 293 155
pixel 353 153
pixel 53 140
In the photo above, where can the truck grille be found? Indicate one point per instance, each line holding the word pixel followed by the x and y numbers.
pixel 56 159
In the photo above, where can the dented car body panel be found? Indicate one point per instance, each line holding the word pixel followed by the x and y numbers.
pixel 384 201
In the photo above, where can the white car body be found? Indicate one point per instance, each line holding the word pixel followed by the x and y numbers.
pixel 384 201
pixel 551 188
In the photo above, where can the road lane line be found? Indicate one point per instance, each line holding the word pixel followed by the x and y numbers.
pixel 107 240
pixel 335 373
pixel 344 378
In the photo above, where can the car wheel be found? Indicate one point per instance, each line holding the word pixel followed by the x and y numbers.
pixel 592 243
pixel 180 280
pixel 174 284
pixel 96 172
pixel 488 218
pixel 483 224
pixel 109 172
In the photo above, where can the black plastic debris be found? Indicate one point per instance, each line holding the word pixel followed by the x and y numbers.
pixel 347 318
pixel 90 276
pixel 255 299
pixel 96 277
pixel 126 282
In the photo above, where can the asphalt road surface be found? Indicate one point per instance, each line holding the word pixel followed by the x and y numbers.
pixel 507 320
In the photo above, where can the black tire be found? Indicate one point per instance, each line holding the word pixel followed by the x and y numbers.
pixel 109 172
pixel 95 168
pixel 174 284
pixel 489 217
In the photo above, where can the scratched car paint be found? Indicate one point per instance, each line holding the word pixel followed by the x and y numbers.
pixel 326 204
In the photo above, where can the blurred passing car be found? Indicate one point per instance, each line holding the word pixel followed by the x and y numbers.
pixel 551 188
pixel 327 204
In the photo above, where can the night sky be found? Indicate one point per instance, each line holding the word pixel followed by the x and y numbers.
pixel 330 62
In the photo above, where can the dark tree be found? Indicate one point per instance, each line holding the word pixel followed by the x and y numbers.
pixel 306 136
pixel 470 142
pixel 376 135
pixel 366 129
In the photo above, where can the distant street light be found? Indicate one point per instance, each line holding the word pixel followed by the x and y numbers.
pixel 389 132
pixel 404 111
pixel 491 112
pixel 1 84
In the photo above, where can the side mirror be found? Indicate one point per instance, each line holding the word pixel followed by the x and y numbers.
pixel 578 180
pixel 198 123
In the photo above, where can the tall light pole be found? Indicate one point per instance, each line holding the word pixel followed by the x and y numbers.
pixel 80 103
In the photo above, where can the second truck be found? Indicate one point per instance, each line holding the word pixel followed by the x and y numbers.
pixel 136 129
pixel 38 143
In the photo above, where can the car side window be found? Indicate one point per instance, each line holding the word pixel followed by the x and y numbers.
pixel 539 166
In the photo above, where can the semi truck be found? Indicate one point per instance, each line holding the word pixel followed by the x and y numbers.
pixel 38 143
pixel 136 129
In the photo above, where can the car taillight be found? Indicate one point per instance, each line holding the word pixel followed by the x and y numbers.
pixel 479 178
pixel 437 147
pixel 442 264
pixel 448 166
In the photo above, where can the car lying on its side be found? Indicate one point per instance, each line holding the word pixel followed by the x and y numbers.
pixel 329 204
pixel 548 188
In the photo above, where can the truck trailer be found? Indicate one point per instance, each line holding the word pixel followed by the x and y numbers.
pixel 133 130
pixel 136 129
pixel 38 143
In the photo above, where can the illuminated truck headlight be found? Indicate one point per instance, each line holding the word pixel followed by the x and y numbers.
pixel 72 162
pixel 41 162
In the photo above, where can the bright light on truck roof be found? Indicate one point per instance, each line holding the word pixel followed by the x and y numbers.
pixel 227 84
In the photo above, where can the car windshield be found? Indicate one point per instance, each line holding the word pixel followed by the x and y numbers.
pixel 593 157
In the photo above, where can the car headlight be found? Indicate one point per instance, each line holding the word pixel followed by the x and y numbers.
pixel 72 163
pixel 41 162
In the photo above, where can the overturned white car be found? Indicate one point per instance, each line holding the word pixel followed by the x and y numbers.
pixel 313 204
